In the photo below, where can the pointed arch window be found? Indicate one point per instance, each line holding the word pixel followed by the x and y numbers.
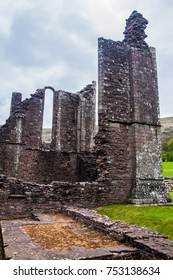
pixel 47 116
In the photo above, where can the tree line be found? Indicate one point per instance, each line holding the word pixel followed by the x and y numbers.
pixel 167 150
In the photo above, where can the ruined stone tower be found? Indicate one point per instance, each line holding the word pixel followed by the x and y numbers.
pixel 121 164
pixel 128 142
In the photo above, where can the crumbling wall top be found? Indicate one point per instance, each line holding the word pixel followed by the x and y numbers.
pixel 134 34
pixel 89 91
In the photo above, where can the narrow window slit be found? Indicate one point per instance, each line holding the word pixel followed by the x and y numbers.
pixel 47 117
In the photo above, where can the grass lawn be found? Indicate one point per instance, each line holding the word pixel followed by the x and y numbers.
pixel 158 218
pixel 167 169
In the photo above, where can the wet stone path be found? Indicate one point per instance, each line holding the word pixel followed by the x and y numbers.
pixel 55 237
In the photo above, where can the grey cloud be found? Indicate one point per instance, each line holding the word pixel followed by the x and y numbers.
pixel 19 48
pixel 165 78
pixel 49 34
pixel 30 44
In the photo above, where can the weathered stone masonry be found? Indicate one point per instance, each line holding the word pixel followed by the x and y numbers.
pixel 128 141
pixel 24 155
pixel 121 164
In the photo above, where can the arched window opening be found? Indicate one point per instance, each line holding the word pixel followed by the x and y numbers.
pixel 47 117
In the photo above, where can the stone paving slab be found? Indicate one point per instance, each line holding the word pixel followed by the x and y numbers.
pixel 151 244
pixel 19 246
pixel 162 247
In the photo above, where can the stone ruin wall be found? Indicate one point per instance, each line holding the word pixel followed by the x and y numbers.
pixel 23 155
pixel 19 199
pixel 128 141
pixel 121 164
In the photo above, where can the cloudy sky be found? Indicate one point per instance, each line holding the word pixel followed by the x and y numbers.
pixel 54 42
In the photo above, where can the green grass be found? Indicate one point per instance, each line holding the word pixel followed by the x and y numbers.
pixel 167 169
pixel 171 194
pixel 158 218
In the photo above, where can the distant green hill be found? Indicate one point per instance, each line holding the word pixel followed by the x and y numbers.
pixel 167 124
pixel 46 135
pixel 166 139
pixel 166 129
